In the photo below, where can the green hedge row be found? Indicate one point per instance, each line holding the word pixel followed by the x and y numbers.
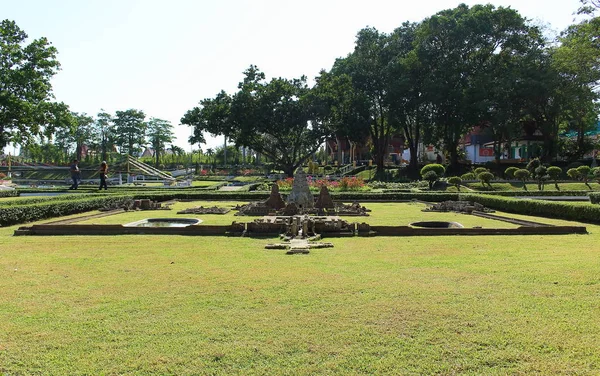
pixel 36 199
pixel 56 208
pixel 121 189
pixel 557 210
pixel 261 195
pixel 9 193
pixel 533 193
pixel 595 197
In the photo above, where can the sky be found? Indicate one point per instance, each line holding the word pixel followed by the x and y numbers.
pixel 163 57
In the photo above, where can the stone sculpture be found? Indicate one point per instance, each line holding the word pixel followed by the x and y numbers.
pixel 300 194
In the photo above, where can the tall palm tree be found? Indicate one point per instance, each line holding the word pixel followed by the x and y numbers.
pixel 210 152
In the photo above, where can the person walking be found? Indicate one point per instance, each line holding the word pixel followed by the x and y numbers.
pixel 75 174
pixel 103 172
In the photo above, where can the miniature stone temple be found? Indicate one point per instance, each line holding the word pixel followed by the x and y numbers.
pixel 301 195
pixel 324 201
pixel 271 205
pixel 275 201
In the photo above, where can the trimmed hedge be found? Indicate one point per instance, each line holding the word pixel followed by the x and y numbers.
pixel 261 195
pixel 532 193
pixel 9 193
pixel 556 210
pixel 595 197
pixel 56 208
pixel 115 189
pixel 34 200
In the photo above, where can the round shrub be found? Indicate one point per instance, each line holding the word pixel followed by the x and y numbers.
pixel 485 177
pixel 554 172
pixel 522 174
pixel 584 170
pixel 468 176
pixel 479 170
pixel 435 167
pixel 533 164
pixel 455 181
pixel 431 177
pixel 573 173
pixel 510 172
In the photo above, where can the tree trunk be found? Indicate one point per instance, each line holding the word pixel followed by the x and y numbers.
pixel 288 170
pixel 339 151
pixel 78 152
pixel 453 146
pixel 413 167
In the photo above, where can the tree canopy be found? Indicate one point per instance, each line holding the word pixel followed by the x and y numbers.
pixel 26 107
pixel 276 118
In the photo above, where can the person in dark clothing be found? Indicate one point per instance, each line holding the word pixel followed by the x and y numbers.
pixel 75 174
pixel 103 173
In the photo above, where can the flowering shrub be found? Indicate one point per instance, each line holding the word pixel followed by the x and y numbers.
pixel 345 184
pixel 249 171
pixel 203 172
pixel 351 183
pixel 285 184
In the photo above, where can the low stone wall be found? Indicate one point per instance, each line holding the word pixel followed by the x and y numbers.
pixel 206 230
pixel 263 229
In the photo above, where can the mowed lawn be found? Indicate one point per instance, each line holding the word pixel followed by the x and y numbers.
pixel 214 305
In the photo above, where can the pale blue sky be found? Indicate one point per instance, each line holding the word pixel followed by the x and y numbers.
pixel 164 56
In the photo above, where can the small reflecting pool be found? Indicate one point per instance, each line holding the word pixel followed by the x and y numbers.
pixel 164 222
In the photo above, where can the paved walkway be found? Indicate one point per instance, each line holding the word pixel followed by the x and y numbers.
pixel 231 188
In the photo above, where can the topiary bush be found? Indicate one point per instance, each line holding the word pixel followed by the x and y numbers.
pixel 532 165
pixel 596 174
pixel 584 174
pixel 554 173
pixel 435 167
pixel 573 173
pixel 522 174
pixel 432 172
pixel 468 176
pixel 509 173
pixel 541 175
pixel 455 181
pixel 485 178
pixel 479 170
pixel 431 177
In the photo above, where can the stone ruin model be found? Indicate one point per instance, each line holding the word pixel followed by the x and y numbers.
pixel 300 201
pixel 203 210
pixel 458 207
pixel 300 195
pixel 302 231
pixel 142 204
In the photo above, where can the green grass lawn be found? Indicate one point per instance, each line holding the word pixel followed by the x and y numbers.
pixel 214 305
pixel 382 214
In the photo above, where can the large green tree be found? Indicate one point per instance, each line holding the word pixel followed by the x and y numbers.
pixel 367 68
pixel 276 118
pixel 408 103
pixel 130 130
pixel 26 107
pixel 103 133
pixel 460 49
pixel 159 133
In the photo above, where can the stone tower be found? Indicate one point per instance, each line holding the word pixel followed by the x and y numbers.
pixel 300 194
